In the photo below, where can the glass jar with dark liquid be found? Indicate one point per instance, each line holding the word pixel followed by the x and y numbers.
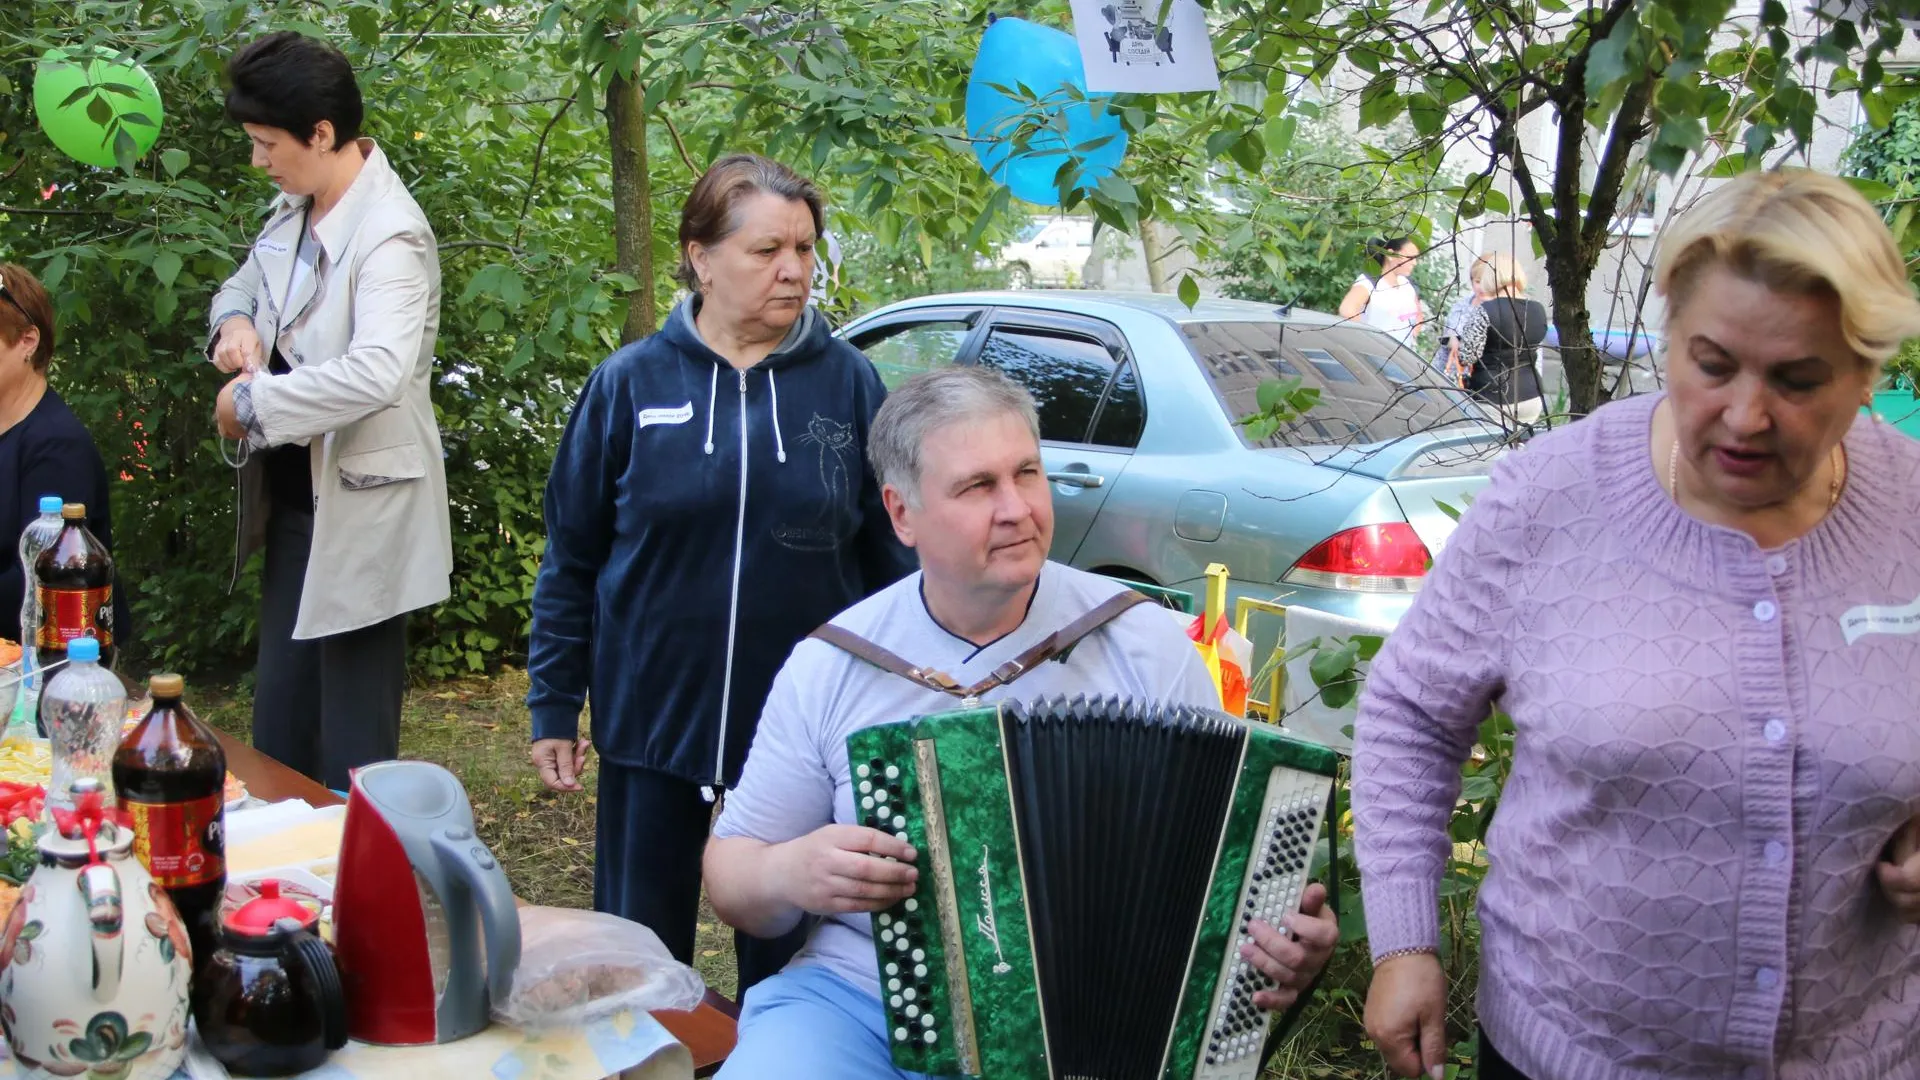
pixel 268 1002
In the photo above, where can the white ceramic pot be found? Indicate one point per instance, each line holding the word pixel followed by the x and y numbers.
pixel 94 966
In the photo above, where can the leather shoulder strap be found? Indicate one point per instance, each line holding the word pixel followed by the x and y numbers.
pixel 849 642
pixel 1053 645
pixel 1058 642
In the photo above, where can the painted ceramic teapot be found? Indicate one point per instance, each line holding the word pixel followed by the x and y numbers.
pixel 94 961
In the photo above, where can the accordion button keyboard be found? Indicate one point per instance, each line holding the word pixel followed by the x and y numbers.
pixel 1280 856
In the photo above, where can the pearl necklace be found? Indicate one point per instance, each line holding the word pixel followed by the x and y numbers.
pixel 1838 458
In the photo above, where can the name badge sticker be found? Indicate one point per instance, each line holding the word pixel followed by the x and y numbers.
pixel 271 247
pixel 661 414
pixel 1876 619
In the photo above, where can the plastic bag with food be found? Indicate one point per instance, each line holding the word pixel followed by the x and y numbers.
pixel 577 967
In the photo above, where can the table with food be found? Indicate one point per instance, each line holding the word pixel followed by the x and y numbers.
pixel 175 905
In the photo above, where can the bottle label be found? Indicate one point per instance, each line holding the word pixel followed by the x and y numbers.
pixel 180 843
pixel 74 613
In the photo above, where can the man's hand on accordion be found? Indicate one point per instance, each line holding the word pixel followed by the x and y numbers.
pixel 842 868
pixel 1294 961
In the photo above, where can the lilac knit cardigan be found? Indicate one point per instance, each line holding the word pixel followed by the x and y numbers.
pixel 1715 744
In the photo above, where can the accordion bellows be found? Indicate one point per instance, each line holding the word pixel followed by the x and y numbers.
pixel 1088 870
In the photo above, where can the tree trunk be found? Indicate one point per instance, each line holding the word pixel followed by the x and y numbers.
pixel 1567 276
pixel 632 201
pixel 1155 249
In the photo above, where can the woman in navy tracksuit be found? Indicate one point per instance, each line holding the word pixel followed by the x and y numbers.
pixel 710 504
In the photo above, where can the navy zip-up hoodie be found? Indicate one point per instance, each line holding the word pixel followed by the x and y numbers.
pixel 701 521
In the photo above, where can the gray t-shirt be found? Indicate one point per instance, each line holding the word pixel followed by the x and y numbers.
pixel 797 778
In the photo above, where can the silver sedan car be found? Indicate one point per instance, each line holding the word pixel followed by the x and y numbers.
pixel 1154 478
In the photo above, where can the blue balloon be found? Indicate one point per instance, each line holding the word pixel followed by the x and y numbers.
pixel 1015 53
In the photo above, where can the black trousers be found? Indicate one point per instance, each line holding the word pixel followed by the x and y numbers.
pixel 324 705
pixel 651 831
pixel 1489 1065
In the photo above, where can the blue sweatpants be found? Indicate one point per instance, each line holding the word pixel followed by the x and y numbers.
pixel 808 1023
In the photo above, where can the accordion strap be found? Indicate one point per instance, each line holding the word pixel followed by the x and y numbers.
pixel 1054 645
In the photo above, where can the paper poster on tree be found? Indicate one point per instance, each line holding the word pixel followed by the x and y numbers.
pixel 1127 48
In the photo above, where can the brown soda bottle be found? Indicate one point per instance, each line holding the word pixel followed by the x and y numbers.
pixel 170 776
pixel 74 576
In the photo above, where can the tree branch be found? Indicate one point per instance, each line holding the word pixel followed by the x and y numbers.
pixel 533 178
pixel 678 144
pixel 459 244
pixel 54 213
pixel 1629 127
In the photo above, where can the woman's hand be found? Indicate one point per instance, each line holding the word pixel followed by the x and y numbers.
pixel 560 762
pixel 841 868
pixel 1900 875
pixel 225 415
pixel 238 346
pixel 1407 1015
pixel 1293 964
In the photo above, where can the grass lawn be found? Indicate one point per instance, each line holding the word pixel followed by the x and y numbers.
pixel 478 728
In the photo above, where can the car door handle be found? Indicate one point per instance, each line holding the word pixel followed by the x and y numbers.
pixel 1077 479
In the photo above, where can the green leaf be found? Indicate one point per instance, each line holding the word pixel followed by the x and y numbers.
pixel 1332 665
pixel 1872 190
pixel 1609 61
pixel 1118 190
pixel 174 161
pixel 1428 115
pixel 364 25
pixel 1339 695
pixel 1279 133
pixel 99 111
pixel 166 268
pixel 1189 290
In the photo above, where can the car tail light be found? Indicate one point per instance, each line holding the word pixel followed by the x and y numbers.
pixel 1370 558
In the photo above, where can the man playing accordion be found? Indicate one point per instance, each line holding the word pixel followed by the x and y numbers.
pixel 958 454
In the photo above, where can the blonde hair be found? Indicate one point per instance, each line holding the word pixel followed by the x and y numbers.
pixel 1501 273
pixel 1797 231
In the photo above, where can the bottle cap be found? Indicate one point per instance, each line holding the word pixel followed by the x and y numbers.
pixel 84 650
pixel 51 504
pixel 73 511
pixel 166 686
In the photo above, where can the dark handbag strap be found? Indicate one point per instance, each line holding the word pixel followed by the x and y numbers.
pixel 1053 645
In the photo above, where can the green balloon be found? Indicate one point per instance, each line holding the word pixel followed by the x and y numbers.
pixel 91 101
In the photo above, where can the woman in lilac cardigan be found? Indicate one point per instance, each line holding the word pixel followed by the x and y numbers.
pixel 1702 611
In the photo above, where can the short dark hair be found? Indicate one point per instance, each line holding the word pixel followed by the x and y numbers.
pixel 1380 247
pixel 31 308
pixel 709 215
pixel 292 82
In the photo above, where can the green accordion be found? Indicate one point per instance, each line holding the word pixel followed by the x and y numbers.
pixel 1088 870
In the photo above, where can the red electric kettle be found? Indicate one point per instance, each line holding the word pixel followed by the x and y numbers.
pixel 414 896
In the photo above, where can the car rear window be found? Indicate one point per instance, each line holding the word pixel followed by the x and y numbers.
pixel 1372 389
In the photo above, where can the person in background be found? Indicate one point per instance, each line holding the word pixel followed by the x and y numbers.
pixel 1508 372
pixel 1697 608
pixel 1464 334
pixel 329 327
pixel 1388 301
pixel 709 505
pixel 44 449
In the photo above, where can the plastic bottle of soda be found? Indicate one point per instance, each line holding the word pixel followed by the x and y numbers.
pixel 75 580
pixel 170 775
pixel 39 534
